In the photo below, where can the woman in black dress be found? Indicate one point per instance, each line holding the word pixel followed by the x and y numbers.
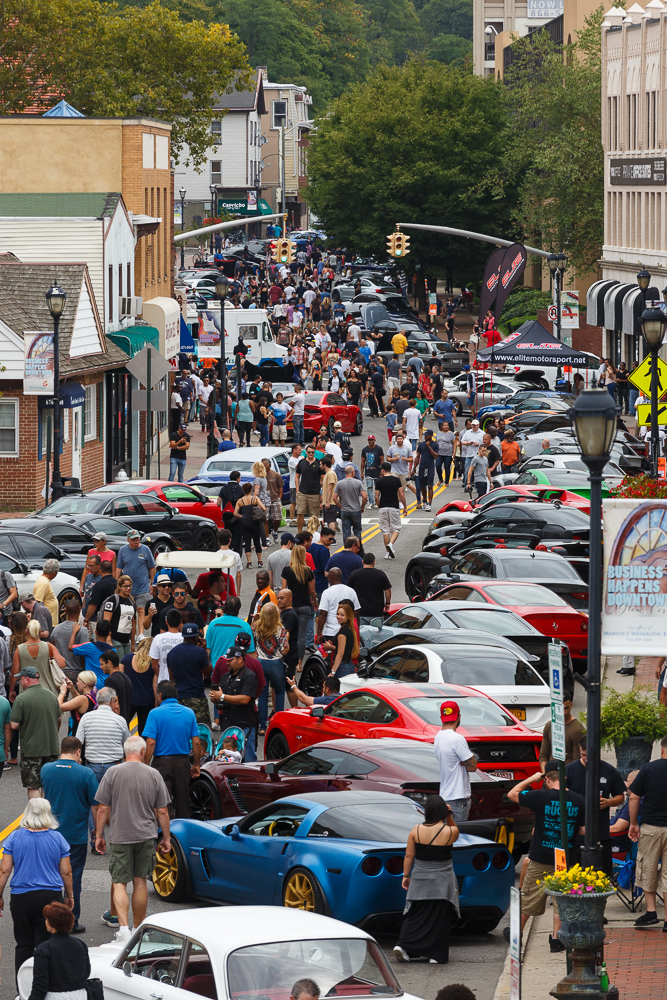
pixel 433 897
pixel 252 529
pixel 61 965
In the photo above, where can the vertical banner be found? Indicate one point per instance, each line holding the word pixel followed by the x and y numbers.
pixel 569 310
pixel 511 269
pixel 38 361
pixel 490 281
pixel 209 335
pixel 515 943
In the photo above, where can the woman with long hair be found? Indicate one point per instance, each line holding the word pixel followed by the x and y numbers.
pixel 61 964
pixel 138 669
pixel 252 529
pixel 272 641
pixel 300 579
pixel 34 652
pixel 18 623
pixel 82 700
pixel 428 876
pixel 260 489
pixel 426 385
pixel 344 644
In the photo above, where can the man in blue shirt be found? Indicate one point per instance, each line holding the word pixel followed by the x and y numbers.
pixel 222 631
pixel 320 553
pixel 137 561
pixel 70 788
pixel 445 408
pixel 170 730
pixel 90 651
pixel 330 691
pixel 348 560
pixel 226 444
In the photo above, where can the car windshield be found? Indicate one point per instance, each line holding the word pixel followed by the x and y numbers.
pixel 474 711
pixel 557 477
pixel 74 505
pixel 229 466
pixel 524 567
pixel 486 666
pixel 389 823
pixel 518 595
pixel 349 967
pixel 498 622
pixel 110 525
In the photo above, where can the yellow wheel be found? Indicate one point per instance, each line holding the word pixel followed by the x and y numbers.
pixel 504 835
pixel 301 892
pixel 169 877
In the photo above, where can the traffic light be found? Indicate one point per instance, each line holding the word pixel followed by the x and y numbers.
pixel 285 251
pixel 390 244
pixel 401 245
pixel 291 251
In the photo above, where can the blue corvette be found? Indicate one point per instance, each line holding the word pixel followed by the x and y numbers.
pixel 336 853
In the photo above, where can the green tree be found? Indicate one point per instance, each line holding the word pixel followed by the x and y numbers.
pixel 109 63
pixel 412 144
pixel 554 149
pixel 447 17
pixel 451 50
pixel 392 30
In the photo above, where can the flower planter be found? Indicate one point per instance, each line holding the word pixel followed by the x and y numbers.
pixel 631 754
pixel 583 931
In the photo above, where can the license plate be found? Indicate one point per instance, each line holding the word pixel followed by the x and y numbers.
pixel 519 713
pixel 503 774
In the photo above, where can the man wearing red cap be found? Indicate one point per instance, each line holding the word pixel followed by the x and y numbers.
pixel 456 759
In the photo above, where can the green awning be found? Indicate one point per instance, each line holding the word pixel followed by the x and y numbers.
pixel 265 208
pixel 134 338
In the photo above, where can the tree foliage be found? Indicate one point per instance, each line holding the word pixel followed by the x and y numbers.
pixel 118 63
pixel 412 144
pixel 451 50
pixel 447 17
pixel 554 152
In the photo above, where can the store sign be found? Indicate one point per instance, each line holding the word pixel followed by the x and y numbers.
pixel 232 205
pixel 634 596
pixel 638 173
pixel 38 364
pixel 545 8
pixel 569 310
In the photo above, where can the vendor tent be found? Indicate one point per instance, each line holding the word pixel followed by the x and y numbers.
pixel 531 344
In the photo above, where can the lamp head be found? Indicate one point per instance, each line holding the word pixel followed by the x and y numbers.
pixel 562 261
pixel 182 192
pixel 222 286
pixel 552 261
pixel 55 300
pixel 653 323
pixel 644 279
pixel 593 418
pixel 488 30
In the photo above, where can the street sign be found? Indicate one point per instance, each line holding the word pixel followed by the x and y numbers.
pixel 138 366
pixel 641 377
pixel 552 314
pixel 515 943
pixel 158 400
pixel 557 713
pixel 643 413
pixel 560 861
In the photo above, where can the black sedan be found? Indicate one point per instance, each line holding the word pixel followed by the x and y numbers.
pixel 549 520
pixel 146 513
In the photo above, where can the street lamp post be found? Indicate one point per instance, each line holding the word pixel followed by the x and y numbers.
pixel 557 264
pixel 55 300
pixel 214 190
pixel 182 192
pixel 221 291
pixel 593 418
pixel 653 327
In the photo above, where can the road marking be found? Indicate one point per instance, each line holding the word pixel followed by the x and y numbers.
pixel 10 829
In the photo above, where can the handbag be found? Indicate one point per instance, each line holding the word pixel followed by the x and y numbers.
pixel 257 513
pixel 95 989
pixel 56 673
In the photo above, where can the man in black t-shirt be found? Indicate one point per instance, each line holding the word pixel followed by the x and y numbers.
pixel 179 442
pixel 372 457
pixel 156 605
pixel 389 495
pixel 290 621
pixel 308 482
pixel 612 793
pixel 236 699
pixel 373 588
pixel 116 679
pixel 545 803
pixel 650 784
pixel 104 588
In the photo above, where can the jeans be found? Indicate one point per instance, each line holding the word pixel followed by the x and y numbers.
pixel 176 464
pixel 99 770
pixel 122 648
pixel 142 714
pixel 244 427
pixel 274 672
pixel 351 521
pixel 263 434
pixel 611 389
pixel 297 425
pixel 77 856
pixel 634 393
pixel 445 460
pixel 370 489
pixel 305 614
pixel 345 668
pixel 481 485
pixel 622 392
pixel 251 736
pixel 466 466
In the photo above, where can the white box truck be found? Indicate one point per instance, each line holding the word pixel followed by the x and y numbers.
pixel 250 324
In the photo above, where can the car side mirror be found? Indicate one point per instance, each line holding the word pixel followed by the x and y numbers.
pixel 232 830
pixel 363 670
pixel 270 768
pixel 377 623
pixel 317 712
pixel 127 968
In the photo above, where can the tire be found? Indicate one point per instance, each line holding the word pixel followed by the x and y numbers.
pixel 161 546
pixel 416 583
pixel 301 891
pixel 169 876
pixel 488 421
pixel 331 430
pixel 483 926
pixel 277 747
pixel 206 540
pixel 204 801
pixel 312 677
pixel 358 425
pixel 63 598
pixel 458 407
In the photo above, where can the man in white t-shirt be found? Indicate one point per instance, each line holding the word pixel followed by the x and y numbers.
pixel 308 297
pixel 327 624
pixel 289 291
pixel 456 759
pixel 354 332
pixel 297 406
pixel 334 450
pixel 470 442
pixel 163 643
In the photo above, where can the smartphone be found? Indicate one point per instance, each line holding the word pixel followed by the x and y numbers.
pixel 215 687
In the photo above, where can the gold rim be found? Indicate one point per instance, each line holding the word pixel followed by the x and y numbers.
pixel 165 872
pixel 300 893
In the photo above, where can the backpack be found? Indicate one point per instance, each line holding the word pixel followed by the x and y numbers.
pixel 346 447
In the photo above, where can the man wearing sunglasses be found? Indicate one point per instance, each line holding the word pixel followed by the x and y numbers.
pixel 156 605
pixel 182 602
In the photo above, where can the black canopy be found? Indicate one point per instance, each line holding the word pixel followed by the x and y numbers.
pixel 531 344
pixel 271 371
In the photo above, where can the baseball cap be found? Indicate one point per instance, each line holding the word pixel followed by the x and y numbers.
pixel 235 651
pixel 101 536
pixel 466 368
pixel 243 640
pixel 29 672
pixel 475 421
pixel 133 533
pixel 183 426
pixel 164 578
pixel 549 767
pixel 286 538
pixel 371 437
pixel 189 629
pixel 449 711
pixel 337 423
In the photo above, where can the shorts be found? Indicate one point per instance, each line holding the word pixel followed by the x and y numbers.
pixel 292 495
pixel 330 514
pixel 276 510
pixel 389 519
pixel 427 475
pixel 403 479
pixel 200 707
pixel 129 861
pixel 652 847
pixel 31 769
pixel 393 383
pixel 308 503
pixel 279 432
pixel 141 600
pixel 533 897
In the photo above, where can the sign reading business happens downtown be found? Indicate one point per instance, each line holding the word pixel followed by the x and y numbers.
pixel 634 599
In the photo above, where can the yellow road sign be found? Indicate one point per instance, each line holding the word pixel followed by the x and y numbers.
pixel 641 377
pixel 644 414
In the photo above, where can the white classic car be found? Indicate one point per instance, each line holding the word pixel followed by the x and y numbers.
pixel 238 953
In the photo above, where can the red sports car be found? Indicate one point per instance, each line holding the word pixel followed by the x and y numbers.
pixel 328 407
pixel 546 611
pixel 503 745
pixel 185 498
pixel 514 494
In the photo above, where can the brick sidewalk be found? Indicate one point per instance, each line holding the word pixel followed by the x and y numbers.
pixel 637 962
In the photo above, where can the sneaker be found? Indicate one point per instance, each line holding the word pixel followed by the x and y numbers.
pixel 555 945
pixel 275 536
pixel 426 506
pixel 6 766
pixel 108 919
pixel 390 549
pixel 292 523
pixel 78 929
pixel 401 955
pixel 647 919
pixel 122 934
pixel 387 556
pixel 418 506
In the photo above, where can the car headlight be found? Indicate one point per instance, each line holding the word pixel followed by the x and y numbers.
pixel 146 538
pixel 416 796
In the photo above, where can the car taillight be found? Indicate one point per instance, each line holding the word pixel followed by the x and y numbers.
pixel 481 861
pixel 443 550
pixel 584 626
pixel 371 865
pixel 395 865
pixel 500 860
pixel 540 548
pixel 580 596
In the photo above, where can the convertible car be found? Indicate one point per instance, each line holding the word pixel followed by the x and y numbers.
pixel 339 854
pixel 237 953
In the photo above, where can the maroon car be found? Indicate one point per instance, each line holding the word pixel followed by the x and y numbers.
pixel 386 765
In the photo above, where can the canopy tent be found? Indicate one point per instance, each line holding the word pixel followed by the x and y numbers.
pixel 272 371
pixel 531 344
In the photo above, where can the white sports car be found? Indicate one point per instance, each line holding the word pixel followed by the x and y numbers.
pixel 238 953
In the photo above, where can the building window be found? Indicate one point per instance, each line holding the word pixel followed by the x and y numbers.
pixel 129 279
pixel 165 231
pixel 111 293
pixel 216 171
pixel 216 128
pixel 634 121
pixel 9 426
pixel 278 114
pixel 90 413
pixel 120 280
pixel 615 142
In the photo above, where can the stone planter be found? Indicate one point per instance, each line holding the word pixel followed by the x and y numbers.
pixel 631 754
pixel 583 931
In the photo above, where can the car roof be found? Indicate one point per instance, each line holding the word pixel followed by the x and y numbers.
pixel 247 453
pixel 401 689
pixel 350 798
pixel 445 606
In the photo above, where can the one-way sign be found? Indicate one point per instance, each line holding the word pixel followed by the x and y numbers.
pixel 138 366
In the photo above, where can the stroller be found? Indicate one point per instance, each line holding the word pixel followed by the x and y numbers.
pixel 236 733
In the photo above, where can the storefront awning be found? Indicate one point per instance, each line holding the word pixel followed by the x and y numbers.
pixel 595 301
pixel 264 207
pixel 134 338
pixel 613 305
pixel 617 305
pixel 71 395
